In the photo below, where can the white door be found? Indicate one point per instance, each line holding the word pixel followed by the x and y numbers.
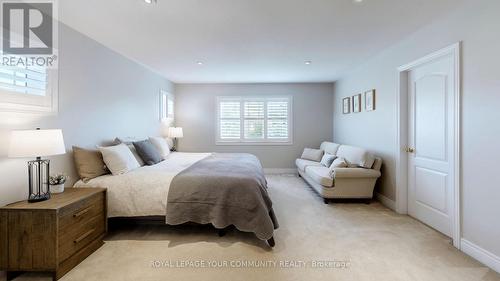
pixel 430 148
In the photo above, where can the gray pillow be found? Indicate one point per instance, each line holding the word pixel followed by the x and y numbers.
pixel 148 152
pixel 327 159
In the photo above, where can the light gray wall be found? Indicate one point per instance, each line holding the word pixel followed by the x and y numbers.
pixel 312 121
pixel 473 23
pixel 101 95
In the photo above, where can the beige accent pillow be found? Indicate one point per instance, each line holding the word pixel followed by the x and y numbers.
pixel 89 163
pixel 312 154
pixel 161 145
pixel 119 159
pixel 338 163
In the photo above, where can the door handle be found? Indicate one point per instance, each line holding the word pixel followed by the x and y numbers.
pixel 410 149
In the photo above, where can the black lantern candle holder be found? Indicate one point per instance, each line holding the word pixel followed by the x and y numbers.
pixel 39 186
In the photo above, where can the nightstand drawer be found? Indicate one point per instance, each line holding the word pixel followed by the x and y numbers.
pixel 81 212
pixel 80 235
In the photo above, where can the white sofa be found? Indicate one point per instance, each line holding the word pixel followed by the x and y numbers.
pixel 355 182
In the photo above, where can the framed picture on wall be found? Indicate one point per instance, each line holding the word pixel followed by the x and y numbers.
pixel 370 100
pixel 166 106
pixel 356 103
pixel 346 105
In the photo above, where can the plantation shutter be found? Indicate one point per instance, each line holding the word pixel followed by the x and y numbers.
pixel 254 120
pixel 277 119
pixel 230 120
pixel 24 80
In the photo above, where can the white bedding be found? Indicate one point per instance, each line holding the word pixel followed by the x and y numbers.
pixel 143 191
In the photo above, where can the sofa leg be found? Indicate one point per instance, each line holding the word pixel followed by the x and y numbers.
pixel 325 200
pixel 368 201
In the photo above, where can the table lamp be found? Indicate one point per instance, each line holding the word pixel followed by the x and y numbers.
pixel 37 144
pixel 175 133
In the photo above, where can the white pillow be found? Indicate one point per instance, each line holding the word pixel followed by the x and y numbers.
pixel 119 159
pixel 162 145
pixel 312 154
pixel 338 163
pixel 129 143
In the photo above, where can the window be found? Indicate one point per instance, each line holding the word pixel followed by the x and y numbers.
pixel 166 106
pixel 28 88
pixel 254 120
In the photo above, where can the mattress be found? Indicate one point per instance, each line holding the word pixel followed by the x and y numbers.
pixel 143 191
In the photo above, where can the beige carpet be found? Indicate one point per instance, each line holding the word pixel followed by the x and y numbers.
pixel 360 242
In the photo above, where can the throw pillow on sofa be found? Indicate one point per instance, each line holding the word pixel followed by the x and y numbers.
pixel 327 159
pixel 337 163
pixel 312 154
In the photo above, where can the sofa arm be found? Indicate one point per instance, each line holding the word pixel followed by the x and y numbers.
pixel 356 173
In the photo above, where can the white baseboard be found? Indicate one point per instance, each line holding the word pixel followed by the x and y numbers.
pixel 277 171
pixel 487 258
pixel 389 203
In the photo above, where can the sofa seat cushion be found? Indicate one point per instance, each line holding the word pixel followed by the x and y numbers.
pixel 356 156
pixel 303 163
pixel 320 174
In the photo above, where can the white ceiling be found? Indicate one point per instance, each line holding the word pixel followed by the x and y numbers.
pixel 250 40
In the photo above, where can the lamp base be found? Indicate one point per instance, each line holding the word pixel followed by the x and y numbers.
pixel 38 197
pixel 38 180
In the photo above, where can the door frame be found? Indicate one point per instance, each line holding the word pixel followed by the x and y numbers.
pixel 402 136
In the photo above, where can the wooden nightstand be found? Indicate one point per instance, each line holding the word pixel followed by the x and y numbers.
pixel 54 235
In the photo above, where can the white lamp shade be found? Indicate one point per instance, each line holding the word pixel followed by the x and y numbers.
pixel 175 132
pixel 36 143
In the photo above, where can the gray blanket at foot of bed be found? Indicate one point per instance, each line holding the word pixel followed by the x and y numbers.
pixel 223 189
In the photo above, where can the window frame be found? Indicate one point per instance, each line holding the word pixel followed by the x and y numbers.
pixel 263 141
pixel 12 101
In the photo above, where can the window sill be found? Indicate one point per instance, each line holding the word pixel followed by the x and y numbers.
pixel 32 109
pixel 229 143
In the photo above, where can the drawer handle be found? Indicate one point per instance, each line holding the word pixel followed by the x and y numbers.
pixel 85 235
pixel 81 213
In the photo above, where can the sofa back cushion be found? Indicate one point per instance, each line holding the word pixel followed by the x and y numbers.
pixel 356 156
pixel 329 147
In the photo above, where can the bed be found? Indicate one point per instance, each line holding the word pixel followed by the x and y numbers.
pixel 221 189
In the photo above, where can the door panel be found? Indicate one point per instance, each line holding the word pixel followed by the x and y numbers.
pixel 430 129
pixel 430 117
pixel 430 188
